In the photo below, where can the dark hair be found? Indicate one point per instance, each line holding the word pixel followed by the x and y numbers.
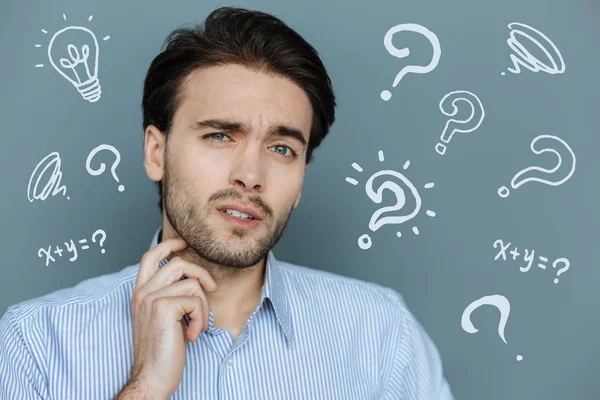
pixel 249 38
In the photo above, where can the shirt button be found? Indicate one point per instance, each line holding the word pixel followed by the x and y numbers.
pixel 230 362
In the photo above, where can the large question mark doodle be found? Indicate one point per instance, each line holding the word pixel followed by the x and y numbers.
pixel 496 300
pixel 80 68
pixel 449 108
pixel 524 58
pixel 52 186
pixel 102 239
pixel 401 53
pixel 365 242
pixel 524 176
pixel 102 165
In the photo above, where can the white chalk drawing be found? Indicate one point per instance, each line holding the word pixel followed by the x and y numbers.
pixel 71 248
pixel 50 181
pixel 496 300
pixel 529 257
pixel 79 66
pixel 523 58
pixel 365 242
pixel 525 175
pixel 99 171
pixel 448 106
pixel 402 53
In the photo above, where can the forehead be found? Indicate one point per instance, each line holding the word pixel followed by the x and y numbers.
pixel 235 92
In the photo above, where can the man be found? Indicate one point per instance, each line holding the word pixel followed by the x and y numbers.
pixel 232 112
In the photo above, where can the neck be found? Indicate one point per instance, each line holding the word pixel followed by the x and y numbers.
pixel 239 288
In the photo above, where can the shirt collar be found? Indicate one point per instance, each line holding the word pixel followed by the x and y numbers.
pixel 273 289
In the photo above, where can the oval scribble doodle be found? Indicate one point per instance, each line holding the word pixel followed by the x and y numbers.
pixel 52 185
pixel 365 242
pixel 78 65
pixel 522 56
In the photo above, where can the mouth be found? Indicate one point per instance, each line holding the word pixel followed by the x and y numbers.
pixel 240 211
pixel 238 219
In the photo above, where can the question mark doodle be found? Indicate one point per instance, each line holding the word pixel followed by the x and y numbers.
pixel 100 170
pixel 365 242
pixel 52 186
pixel 103 237
pixel 401 53
pixel 496 300
pixel 550 140
pixel 561 270
pixel 450 99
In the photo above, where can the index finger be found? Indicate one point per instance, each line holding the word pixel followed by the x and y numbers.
pixel 151 258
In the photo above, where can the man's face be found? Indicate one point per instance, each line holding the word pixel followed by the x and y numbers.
pixel 210 167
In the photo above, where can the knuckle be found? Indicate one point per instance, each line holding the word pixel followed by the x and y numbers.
pixel 195 284
pixel 160 305
pixel 149 299
pixel 136 300
pixel 176 263
pixel 193 287
pixel 145 257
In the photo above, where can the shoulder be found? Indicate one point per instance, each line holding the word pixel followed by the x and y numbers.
pixel 341 292
pixel 87 293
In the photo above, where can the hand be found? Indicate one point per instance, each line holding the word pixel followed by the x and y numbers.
pixel 160 300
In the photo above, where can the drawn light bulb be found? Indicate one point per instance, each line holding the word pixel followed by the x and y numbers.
pixel 78 65
pixel 73 52
pixel 395 214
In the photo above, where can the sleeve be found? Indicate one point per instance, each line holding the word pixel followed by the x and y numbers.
pixel 20 376
pixel 416 366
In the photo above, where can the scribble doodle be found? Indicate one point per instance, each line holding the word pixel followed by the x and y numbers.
pixel 52 185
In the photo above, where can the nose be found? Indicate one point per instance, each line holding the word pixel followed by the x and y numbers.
pixel 247 173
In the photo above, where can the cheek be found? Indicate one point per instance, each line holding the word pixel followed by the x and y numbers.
pixel 287 186
pixel 204 175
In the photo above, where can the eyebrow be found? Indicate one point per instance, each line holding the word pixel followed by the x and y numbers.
pixel 238 127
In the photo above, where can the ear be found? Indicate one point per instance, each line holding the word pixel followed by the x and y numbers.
pixel 154 148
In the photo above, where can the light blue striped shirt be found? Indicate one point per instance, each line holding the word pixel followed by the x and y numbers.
pixel 313 335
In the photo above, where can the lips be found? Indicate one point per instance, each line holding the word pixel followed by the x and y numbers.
pixel 246 224
pixel 246 210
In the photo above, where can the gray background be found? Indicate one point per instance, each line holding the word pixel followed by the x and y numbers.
pixel 440 271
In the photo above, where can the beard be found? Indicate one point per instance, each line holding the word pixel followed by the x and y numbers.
pixel 191 220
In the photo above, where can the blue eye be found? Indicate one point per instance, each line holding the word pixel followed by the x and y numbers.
pixel 220 137
pixel 292 155
pixel 212 137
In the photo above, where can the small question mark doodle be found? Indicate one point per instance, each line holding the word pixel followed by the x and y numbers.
pixel 103 237
pixel 365 242
pixel 52 186
pixel 496 300
pixel 549 141
pixel 401 53
pixel 456 125
pixel 561 270
pixel 102 165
